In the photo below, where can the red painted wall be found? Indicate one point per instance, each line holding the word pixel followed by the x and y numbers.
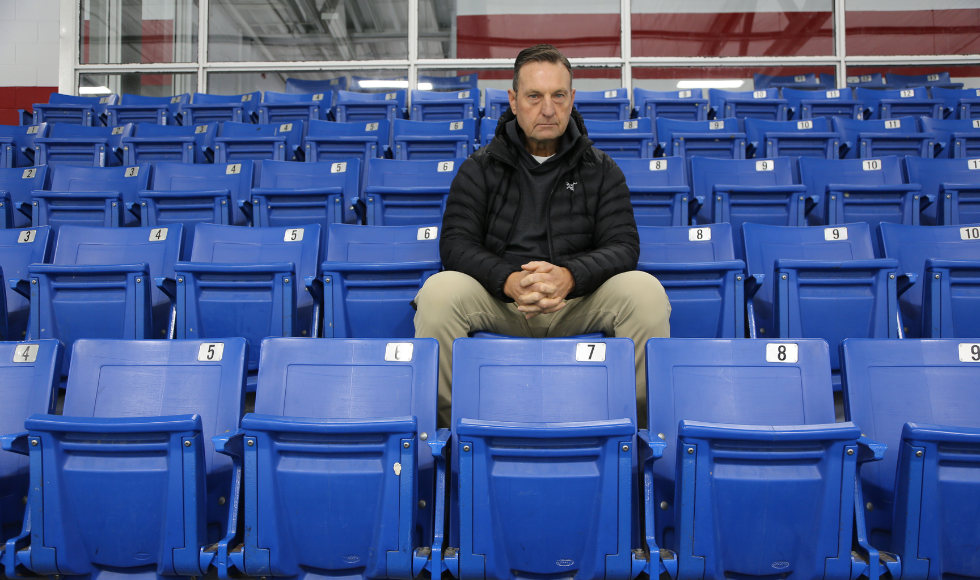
pixel 13 98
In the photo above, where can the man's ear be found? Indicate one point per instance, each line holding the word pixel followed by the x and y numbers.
pixel 512 98
pixel 572 95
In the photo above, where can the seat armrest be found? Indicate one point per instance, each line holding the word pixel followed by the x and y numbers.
pixel 15 443
pixel 870 450
pixel 753 283
pixel 232 445
pixel 904 282
pixel 651 449
pixel 22 287
pixel 168 286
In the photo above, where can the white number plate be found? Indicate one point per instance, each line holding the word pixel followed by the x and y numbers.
pixel 932 77
pixel 631 124
pixel 764 165
pixel 590 351
pixel 456 126
pixel 427 233
pixel 976 123
pixel 293 235
pixel 200 129
pixel 174 100
pixel 445 166
pixel 759 95
pixel 29 173
pixel 132 172
pixel 158 234
pixel 969 352
pixel 800 78
pixel 866 78
pixel 117 130
pixel 699 234
pixel 871 164
pixel 715 125
pixel 893 124
pixel 971 163
pixel 318 97
pixel 210 351
pixel 285 127
pixel 339 167
pixel 26 236
pixel 782 352
pixel 802 125
pixel 907 93
pixel 970 233
pixel 391 96
pixel 610 94
pixel 463 95
pixel 658 165
pixel 103 100
pixel 246 98
pixel 684 94
pixel 833 94
pixel 399 351
pixel 233 168
pixel 32 130
pixel 853 79
pixel 834 234
pixel 371 127
pixel 27 353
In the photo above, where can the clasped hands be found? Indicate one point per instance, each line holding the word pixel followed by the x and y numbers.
pixel 539 288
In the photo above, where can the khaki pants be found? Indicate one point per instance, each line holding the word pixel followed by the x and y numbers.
pixel 452 305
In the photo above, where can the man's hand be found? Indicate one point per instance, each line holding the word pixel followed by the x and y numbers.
pixel 539 288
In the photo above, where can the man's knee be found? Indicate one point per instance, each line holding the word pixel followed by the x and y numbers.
pixel 447 290
pixel 639 288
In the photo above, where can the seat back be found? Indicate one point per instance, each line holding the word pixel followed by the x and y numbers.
pixel 143 109
pixel 236 178
pixel 891 104
pixel 873 80
pixel 207 108
pixel 495 102
pixel 243 141
pixel 372 274
pixel 286 107
pixel 416 140
pixel 926 80
pixel 960 103
pixel 816 174
pixel 804 138
pixel 18 250
pixel 399 193
pixel 113 191
pixel 955 183
pixel 458 83
pixel 368 107
pixel 658 190
pixel 317 86
pixel 304 193
pixel 445 106
pixel 916 397
pixel 673 245
pixel 611 105
pixel 19 183
pixel 17 144
pixel 67 144
pixel 337 141
pixel 73 110
pixel 718 138
pixel 798 82
pixel 760 104
pixel 738 384
pixel 828 103
pixel 182 144
pixel 633 139
pixel 686 105
pixel 958 138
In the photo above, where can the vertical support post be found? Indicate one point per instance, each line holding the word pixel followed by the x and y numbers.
pixel 626 46
pixel 68 46
pixel 413 49
pixel 202 46
pixel 840 44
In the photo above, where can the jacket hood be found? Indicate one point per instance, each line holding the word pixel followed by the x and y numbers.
pixel 504 149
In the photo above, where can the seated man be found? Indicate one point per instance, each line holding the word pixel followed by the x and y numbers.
pixel 538 238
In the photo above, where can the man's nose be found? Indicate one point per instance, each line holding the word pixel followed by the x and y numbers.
pixel 547 107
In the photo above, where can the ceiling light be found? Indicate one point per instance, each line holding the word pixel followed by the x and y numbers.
pixel 425 86
pixel 383 84
pixel 711 84
pixel 94 91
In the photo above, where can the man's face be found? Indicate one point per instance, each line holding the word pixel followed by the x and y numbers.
pixel 543 101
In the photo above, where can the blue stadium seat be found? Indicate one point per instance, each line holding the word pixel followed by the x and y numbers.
pixel 372 274
pixel 893 104
pixel 458 83
pixel 916 397
pixel 288 107
pixel 17 144
pixel 873 81
pixel 359 406
pixel 300 86
pixel 543 460
pixel 820 283
pixel 940 79
pixel 443 106
pixel 182 144
pixel 205 108
pixel 738 191
pixel 756 479
pixel 18 250
pixel 242 141
pixel 806 138
pixel 25 117
pixel 140 109
pixel 67 144
pixel 955 138
pixel 369 107
pixel 401 193
pixel 687 105
pixel 305 193
pixel 868 139
pixel 91 196
pixel 611 105
pixel 495 102
pixel 331 142
pixel 659 191
pixel 416 140
pixel 720 138
pixel 954 183
pixel 861 190
pixel 704 282
pixel 959 103
pixel 16 185
pixel 72 110
pixel 488 128
pixel 831 103
pixel 764 104
pixel 29 375
pixel 947 261
pixel 633 139
pixel 194 193
pixel 140 488
pixel 250 282
pixel 806 81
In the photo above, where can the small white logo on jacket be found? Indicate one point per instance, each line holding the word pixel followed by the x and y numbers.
pixel 571 186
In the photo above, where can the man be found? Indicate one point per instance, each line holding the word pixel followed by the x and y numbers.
pixel 538 237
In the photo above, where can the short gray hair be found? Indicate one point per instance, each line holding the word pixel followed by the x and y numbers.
pixel 540 53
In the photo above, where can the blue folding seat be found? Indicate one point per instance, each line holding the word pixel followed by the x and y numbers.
pixel 940 79
pixel 543 460
pixel 918 397
pixel 764 104
pixel 947 261
pixel 807 138
pixel 611 105
pixel 287 107
pixel 334 414
pixel 196 193
pixel 739 191
pixel 720 138
pixel 67 144
pixel 276 141
pixel 703 280
pixel 955 138
pixel 25 117
pixel 953 183
pixel 415 140
pixel 372 274
pixel 495 102
pixel 18 250
pixel 820 283
pixel 305 193
pixel 182 144
pixel 250 282
pixel 867 139
pixel 369 107
pixel 205 108
pixel 687 105
pixel 830 103
pixel 335 141
pixel 300 86
pixel 91 196
pixel 488 128
pixel 756 479
pixel 17 144
pixel 806 81
pixel 893 104
pixel 873 81
pixel 445 106
pixel 72 110
pixel 16 185
pixel 633 139
pixel 126 481
pixel 139 109
pixel 659 191
pixel 861 190
pixel 959 103
pixel 458 83
pixel 401 193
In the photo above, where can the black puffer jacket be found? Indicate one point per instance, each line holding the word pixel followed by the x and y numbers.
pixel 591 230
